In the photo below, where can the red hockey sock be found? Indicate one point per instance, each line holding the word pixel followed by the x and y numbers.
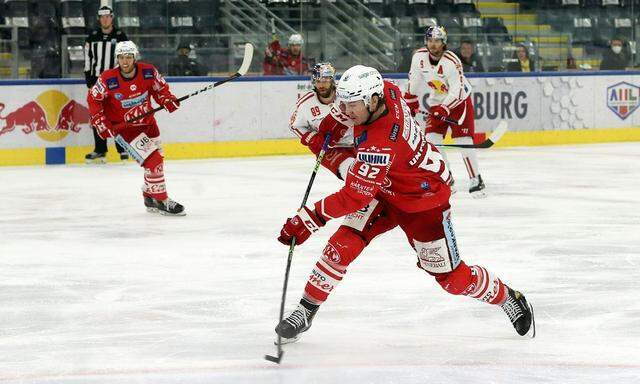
pixel 474 281
pixel 154 185
pixel 486 286
pixel 343 247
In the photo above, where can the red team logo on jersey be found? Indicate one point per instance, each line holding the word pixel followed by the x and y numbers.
pixel 623 99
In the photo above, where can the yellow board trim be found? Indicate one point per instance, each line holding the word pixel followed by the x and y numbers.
pixel 175 151
pixel 22 156
pixel 580 136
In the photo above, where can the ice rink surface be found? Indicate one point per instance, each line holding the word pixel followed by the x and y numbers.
pixel 93 289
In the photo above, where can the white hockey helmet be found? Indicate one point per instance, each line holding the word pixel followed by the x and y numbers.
pixel 359 83
pixel 127 48
pixel 296 39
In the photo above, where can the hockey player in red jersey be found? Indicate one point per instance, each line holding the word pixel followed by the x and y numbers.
pixel 314 111
pixel 120 95
pixel 449 96
pixel 286 61
pixel 406 174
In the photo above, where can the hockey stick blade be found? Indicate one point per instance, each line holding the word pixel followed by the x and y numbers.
pixel 488 143
pixel 274 359
pixel 246 61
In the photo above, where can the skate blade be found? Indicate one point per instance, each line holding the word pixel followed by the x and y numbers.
pixel 95 161
pixel 165 213
pixel 479 195
pixel 152 210
pixel 532 330
pixel 284 340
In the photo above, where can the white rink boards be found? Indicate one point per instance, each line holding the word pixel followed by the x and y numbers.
pixel 95 290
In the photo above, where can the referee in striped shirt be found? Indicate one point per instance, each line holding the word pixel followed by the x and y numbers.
pixel 99 55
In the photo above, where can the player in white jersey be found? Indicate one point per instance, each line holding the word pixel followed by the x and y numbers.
pixel 311 108
pixel 450 96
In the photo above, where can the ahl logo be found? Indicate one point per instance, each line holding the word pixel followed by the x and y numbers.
pixel 623 98
pixel 52 115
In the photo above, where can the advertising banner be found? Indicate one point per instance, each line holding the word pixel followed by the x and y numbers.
pixel 42 115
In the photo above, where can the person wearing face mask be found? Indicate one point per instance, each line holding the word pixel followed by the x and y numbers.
pixel 615 58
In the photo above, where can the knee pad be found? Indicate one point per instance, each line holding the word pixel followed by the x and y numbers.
pixel 343 247
pixel 457 281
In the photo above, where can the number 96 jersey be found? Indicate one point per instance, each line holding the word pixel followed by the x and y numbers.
pixel 394 163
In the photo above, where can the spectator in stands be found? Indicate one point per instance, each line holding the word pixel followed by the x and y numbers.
pixel 183 65
pixel 470 60
pixel 523 62
pixel 99 55
pixel 289 61
pixel 615 58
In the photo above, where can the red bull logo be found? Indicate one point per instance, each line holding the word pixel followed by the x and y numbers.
pixel 52 115
pixel 623 98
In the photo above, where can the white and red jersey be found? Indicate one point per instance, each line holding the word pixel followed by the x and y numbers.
pixel 120 99
pixel 394 163
pixel 444 78
pixel 310 112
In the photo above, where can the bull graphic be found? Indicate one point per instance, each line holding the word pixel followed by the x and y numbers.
pixel 72 115
pixel 30 116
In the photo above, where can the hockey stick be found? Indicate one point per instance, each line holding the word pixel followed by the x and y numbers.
pixel 447 119
pixel 277 359
pixel 487 143
pixel 244 67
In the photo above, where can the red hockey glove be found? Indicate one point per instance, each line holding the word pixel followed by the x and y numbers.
pixel 412 103
pixel 439 111
pixel 313 140
pixel 102 126
pixel 332 126
pixel 171 103
pixel 301 226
